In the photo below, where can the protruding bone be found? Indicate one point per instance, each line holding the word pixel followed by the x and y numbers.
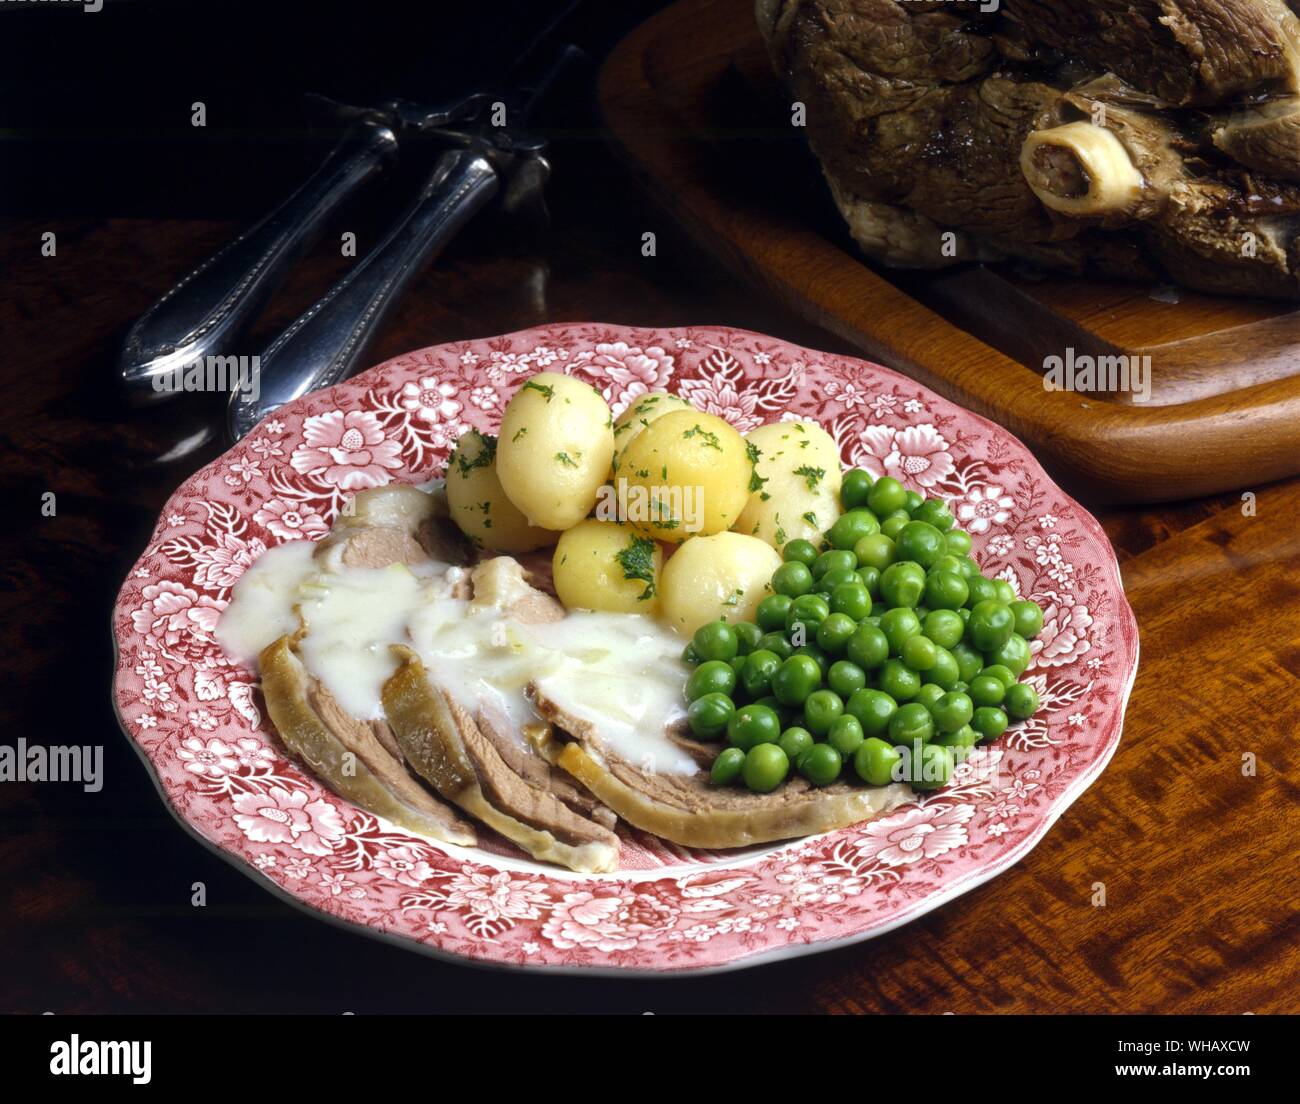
pixel 1082 170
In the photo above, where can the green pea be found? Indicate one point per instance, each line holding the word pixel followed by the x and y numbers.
pixel 1006 592
pixel 953 711
pixel 899 681
pixel 946 590
pixel 870 578
pixel 1029 618
pixel 934 511
pixel 820 710
pixel 989 722
pixel 921 543
pixel 838 577
pixel 751 725
pixel 877 551
pixel 737 666
pixel 1014 655
pixel 920 653
pixel 969 568
pixel 713 677
pixel 932 766
pixel 760 666
pixel 1003 674
pixel 855 488
pixel 795 741
pixel 990 626
pixel 895 524
pixel 899 626
pixel 799 551
pixel 913 502
pixel 958 542
pixel 834 633
pixel 868 647
pixel 928 695
pixel 817 655
pixel 747 637
pixel 852 527
pixel 1022 701
pixel 834 559
pixel 772 612
pixel 716 640
pixel 912 722
pixel 960 739
pixel 987 690
pixel 708 716
pixel 876 761
pixel 944 626
pixel 981 590
pixel 796 678
pixel 947 563
pixel 852 599
pixel 821 764
pixel 969 661
pixel 945 672
pixel 873 710
pixel 845 735
pixel 792 578
pixel 902 584
pixel 777 644
pixel 690 655
pixel 846 678
pixel 886 495
pixel 766 766
pixel 784 712
pixel 727 766
pixel 808 611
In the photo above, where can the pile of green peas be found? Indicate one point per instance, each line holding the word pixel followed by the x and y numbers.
pixel 884 653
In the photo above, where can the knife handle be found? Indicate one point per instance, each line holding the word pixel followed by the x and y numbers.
pixel 328 341
pixel 212 306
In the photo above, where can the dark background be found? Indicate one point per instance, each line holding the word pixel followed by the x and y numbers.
pixel 96 146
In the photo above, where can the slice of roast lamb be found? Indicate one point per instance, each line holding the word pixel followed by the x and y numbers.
pixel 688 809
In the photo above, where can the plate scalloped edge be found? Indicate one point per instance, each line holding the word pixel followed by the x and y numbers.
pixel 195 723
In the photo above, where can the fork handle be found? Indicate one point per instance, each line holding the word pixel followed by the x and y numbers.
pixel 327 342
pixel 212 306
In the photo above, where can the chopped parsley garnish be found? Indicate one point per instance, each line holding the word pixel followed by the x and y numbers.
pixel 756 481
pixel 545 389
pixel 567 460
pixel 483 460
pixel 707 437
pixel 638 562
pixel 811 474
pixel 811 519
pixel 521 431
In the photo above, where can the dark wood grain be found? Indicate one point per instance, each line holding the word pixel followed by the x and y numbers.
pixel 687 97
pixel 1198 861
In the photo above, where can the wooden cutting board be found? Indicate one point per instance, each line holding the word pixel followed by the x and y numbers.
pixel 692 104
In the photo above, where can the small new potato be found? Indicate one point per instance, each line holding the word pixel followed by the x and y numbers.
pixel 685 474
pixel 554 452
pixel 606 565
pixel 712 578
pixel 799 498
pixel 639 414
pixel 479 506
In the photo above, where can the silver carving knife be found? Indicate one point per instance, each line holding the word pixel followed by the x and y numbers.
pixel 329 341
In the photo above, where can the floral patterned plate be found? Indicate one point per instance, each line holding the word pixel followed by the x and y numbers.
pixel 196 720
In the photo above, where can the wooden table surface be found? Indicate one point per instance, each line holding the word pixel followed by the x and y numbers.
pixel 1202 908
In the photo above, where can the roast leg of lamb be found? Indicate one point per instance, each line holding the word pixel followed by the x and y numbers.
pixel 1131 138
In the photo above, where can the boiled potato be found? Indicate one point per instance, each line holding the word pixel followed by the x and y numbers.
pixel 686 474
pixel 557 440
pixel 606 565
pixel 799 499
pixel 722 576
pixel 478 504
pixel 638 415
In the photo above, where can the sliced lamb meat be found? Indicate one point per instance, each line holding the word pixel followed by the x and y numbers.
pixel 345 753
pixel 689 810
pixel 1070 133
pixel 442 742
